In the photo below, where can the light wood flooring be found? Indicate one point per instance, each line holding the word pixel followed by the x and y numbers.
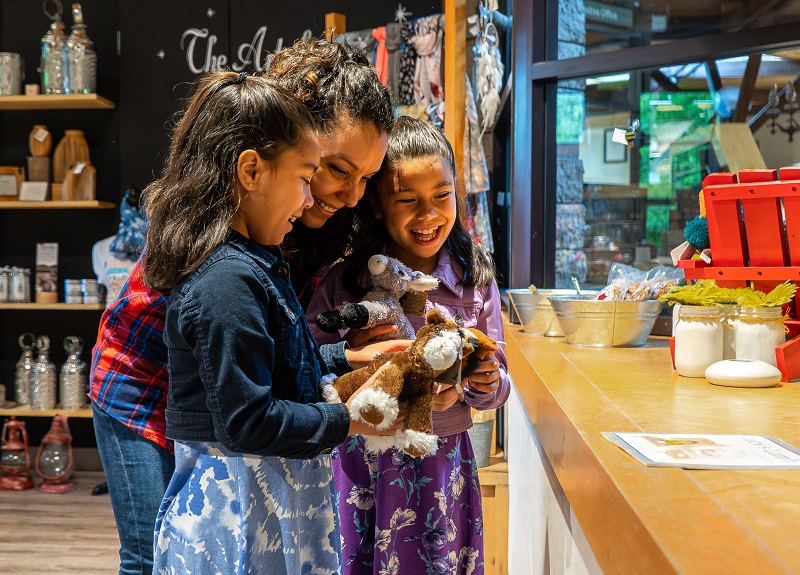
pixel 64 534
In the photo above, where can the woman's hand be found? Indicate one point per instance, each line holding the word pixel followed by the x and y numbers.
pixel 360 337
pixel 445 396
pixel 361 356
pixel 486 377
pixel 363 428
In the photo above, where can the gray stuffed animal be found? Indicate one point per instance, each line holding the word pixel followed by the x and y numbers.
pixel 391 279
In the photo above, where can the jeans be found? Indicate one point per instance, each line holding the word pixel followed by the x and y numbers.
pixel 138 472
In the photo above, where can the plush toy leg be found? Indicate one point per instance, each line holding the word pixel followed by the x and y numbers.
pixel 418 439
pixel 378 443
pixel 377 405
pixel 346 385
pixel 330 321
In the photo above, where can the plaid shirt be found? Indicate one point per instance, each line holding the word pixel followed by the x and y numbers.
pixel 129 361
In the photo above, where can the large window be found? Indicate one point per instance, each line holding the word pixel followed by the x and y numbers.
pixel 625 120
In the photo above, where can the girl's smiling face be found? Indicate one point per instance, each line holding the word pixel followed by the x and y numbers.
pixel 417 201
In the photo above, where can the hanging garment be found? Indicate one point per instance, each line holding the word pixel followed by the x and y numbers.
pixel 381 54
pixel 476 172
pixel 361 42
pixel 394 43
pixel 408 63
pixel 427 40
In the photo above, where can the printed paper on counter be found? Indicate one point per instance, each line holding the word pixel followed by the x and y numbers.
pixel 703 451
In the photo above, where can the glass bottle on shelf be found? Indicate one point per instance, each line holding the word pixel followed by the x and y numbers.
pixel 52 65
pixel 81 57
pixel 74 379
pixel 24 374
pixel 45 378
pixel 698 339
pixel 757 332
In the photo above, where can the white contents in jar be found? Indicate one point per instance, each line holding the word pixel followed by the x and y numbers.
pixel 698 340
pixel 757 332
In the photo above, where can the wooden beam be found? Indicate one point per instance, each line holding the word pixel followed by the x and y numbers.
pixel 455 87
pixel 335 24
pixel 662 80
pixel 746 89
pixel 713 77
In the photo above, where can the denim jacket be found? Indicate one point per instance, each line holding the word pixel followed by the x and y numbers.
pixel 244 369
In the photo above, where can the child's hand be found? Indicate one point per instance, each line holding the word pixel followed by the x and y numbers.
pixel 363 428
pixel 486 377
pixel 445 395
pixel 361 356
pixel 360 337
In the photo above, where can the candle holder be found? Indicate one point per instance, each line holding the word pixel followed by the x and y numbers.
pixel 14 460
pixel 54 460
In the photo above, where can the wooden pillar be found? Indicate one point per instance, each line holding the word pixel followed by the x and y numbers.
pixel 335 24
pixel 455 88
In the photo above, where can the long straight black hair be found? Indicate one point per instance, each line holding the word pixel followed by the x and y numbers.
pixel 411 139
pixel 191 206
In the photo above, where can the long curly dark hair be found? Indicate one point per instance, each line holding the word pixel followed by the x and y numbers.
pixel 410 139
pixel 337 85
pixel 191 206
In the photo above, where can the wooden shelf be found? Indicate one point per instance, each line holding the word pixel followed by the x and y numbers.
pixel 53 306
pixel 56 102
pixel 25 411
pixel 56 205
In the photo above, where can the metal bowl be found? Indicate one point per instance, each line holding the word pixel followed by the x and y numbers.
pixel 586 321
pixel 533 308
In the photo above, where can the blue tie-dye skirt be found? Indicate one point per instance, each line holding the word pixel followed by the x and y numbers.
pixel 229 513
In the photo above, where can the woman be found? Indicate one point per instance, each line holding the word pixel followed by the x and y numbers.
pixel 353 112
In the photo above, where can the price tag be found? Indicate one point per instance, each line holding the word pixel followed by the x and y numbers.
pixel 78 168
pixel 40 135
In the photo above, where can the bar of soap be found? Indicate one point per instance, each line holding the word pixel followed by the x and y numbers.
pixel 743 373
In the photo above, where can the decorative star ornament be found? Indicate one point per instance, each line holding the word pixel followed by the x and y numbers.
pixel 401 14
pixel 211 12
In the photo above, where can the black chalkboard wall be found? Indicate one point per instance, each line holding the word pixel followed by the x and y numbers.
pixel 145 68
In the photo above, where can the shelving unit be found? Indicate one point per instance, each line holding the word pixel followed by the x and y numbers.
pixel 56 205
pixel 52 306
pixel 25 411
pixel 56 102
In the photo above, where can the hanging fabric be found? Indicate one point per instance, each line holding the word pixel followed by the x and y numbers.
pixel 381 54
pixel 427 40
pixel 394 43
pixel 408 63
pixel 361 42
pixel 476 171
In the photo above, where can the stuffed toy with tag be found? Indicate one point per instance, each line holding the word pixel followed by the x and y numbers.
pixel 407 380
pixel 391 279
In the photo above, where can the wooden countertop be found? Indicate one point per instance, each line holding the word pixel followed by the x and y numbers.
pixel 641 519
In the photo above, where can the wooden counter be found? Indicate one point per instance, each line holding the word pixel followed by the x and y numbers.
pixel 640 519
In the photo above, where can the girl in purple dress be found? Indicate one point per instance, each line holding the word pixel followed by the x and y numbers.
pixel 401 514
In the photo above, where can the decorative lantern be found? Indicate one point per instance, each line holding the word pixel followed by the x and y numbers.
pixel 14 461
pixel 54 461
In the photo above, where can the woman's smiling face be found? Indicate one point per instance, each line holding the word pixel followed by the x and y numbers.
pixel 349 156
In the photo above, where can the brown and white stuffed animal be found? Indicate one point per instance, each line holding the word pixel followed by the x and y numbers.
pixel 391 279
pixel 408 381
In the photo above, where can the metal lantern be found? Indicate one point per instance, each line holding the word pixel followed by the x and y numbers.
pixel 24 373
pixel 74 378
pixel 14 461
pixel 54 460
pixel 45 377
pixel 53 66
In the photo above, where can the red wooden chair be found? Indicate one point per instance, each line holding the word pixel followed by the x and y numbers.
pixel 754 232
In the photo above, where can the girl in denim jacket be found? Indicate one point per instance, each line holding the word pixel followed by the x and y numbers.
pixel 401 514
pixel 251 492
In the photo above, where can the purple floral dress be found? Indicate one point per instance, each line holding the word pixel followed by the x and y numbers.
pixel 427 518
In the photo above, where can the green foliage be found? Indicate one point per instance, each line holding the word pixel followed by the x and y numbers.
pixel 701 293
pixel 707 292
pixel 782 294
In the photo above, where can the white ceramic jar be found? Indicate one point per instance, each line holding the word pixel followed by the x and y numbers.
pixel 757 332
pixel 698 339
